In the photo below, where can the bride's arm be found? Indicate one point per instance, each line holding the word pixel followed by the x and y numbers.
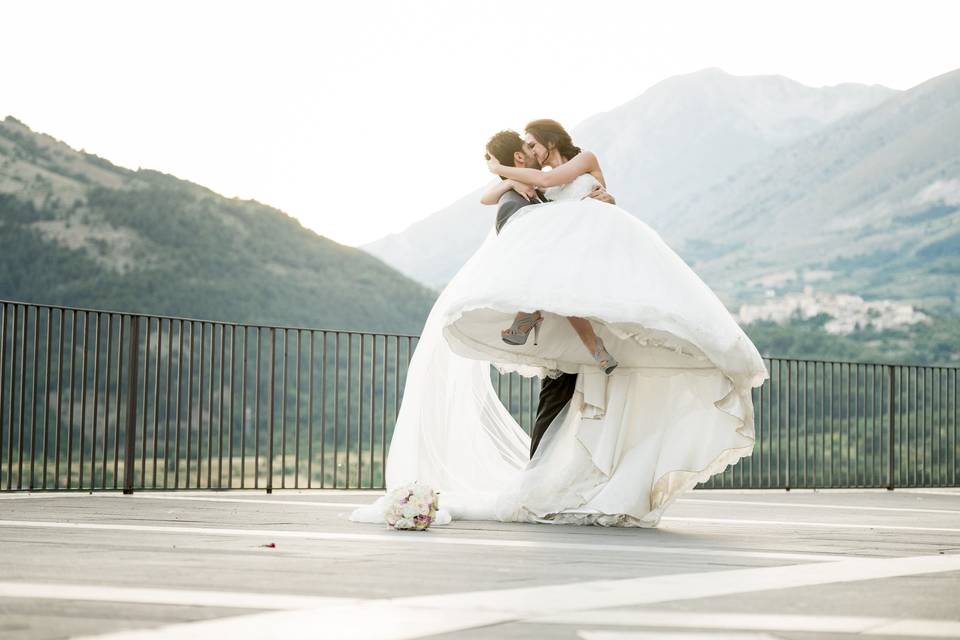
pixel 583 162
pixel 494 193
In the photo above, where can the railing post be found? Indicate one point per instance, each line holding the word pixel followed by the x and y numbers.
pixel 133 357
pixel 787 460
pixel 273 360
pixel 890 425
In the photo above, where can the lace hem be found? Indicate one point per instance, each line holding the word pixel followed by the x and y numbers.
pixel 662 334
pixel 670 485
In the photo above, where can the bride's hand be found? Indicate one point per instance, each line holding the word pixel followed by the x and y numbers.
pixel 599 193
pixel 523 189
pixel 493 164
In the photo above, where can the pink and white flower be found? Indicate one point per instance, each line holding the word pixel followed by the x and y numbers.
pixel 412 507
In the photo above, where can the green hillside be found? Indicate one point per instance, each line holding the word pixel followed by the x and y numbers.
pixel 934 343
pixel 78 230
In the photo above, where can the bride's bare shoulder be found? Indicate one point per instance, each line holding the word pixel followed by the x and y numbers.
pixel 588 157
pixel 591 165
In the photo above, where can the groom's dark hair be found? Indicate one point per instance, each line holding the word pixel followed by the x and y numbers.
pixel 503 145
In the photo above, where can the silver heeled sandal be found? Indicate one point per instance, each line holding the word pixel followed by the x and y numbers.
pixel 604 358
pixel 517 333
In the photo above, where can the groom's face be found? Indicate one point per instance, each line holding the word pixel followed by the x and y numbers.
pixel 529 159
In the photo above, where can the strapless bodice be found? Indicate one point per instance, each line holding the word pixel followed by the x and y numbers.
pixel 575 190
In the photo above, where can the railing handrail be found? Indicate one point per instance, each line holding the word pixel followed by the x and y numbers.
pixel 228 323
pixel 877 364
pixel 414 336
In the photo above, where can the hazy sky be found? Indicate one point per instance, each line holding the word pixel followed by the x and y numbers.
pixel 360 118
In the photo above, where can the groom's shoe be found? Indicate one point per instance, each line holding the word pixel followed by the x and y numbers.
pixel 520 329
pixel 603 357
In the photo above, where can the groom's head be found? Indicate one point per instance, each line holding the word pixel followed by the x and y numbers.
pixel 509 150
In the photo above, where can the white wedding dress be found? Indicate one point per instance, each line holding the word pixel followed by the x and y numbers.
pixel 676 411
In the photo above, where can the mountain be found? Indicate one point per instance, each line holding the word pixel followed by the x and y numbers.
pixel 77 230
pixel 690 131
pixel 676 139
pixel 432 250
pixel 869 204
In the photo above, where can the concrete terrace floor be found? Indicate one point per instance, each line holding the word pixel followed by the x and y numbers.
pixel 722 565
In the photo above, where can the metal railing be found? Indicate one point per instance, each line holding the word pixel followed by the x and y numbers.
pixel 105 400
pixel 822 424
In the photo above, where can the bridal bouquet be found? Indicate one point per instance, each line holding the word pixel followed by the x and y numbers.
pixel 412 507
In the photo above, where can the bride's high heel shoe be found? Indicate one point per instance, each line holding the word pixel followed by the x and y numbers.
pixel 603 357
pixel 520 329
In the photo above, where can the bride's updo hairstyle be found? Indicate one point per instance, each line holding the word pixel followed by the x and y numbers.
pixel 551 134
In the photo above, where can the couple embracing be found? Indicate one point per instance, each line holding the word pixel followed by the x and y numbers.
pixel 645 377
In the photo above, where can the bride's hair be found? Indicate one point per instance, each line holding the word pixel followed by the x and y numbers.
pixel 549 132
pixel 503 145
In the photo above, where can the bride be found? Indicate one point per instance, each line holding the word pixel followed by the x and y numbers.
pixel 676 409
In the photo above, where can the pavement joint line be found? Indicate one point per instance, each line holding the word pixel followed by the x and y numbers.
pixel 716 620
pixel 820 506
pixel 800 523
pixel 660 635
pixel 932 492
pixel 181 597
pixel 426 538
pixel 394 619
pixel 120 496
pixel 354 505
pixel 309 503
pixel 372 620
pixel 596 594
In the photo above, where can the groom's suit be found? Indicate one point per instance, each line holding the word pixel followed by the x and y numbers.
pixel 555 393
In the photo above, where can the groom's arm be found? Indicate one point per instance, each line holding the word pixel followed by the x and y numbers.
pixel 511 201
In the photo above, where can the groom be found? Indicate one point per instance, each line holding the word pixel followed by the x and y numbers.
pixel 508 148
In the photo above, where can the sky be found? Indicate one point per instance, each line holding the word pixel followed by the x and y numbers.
pixel 360 118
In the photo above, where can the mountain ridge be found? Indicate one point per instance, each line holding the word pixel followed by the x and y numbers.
pixel 86 232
